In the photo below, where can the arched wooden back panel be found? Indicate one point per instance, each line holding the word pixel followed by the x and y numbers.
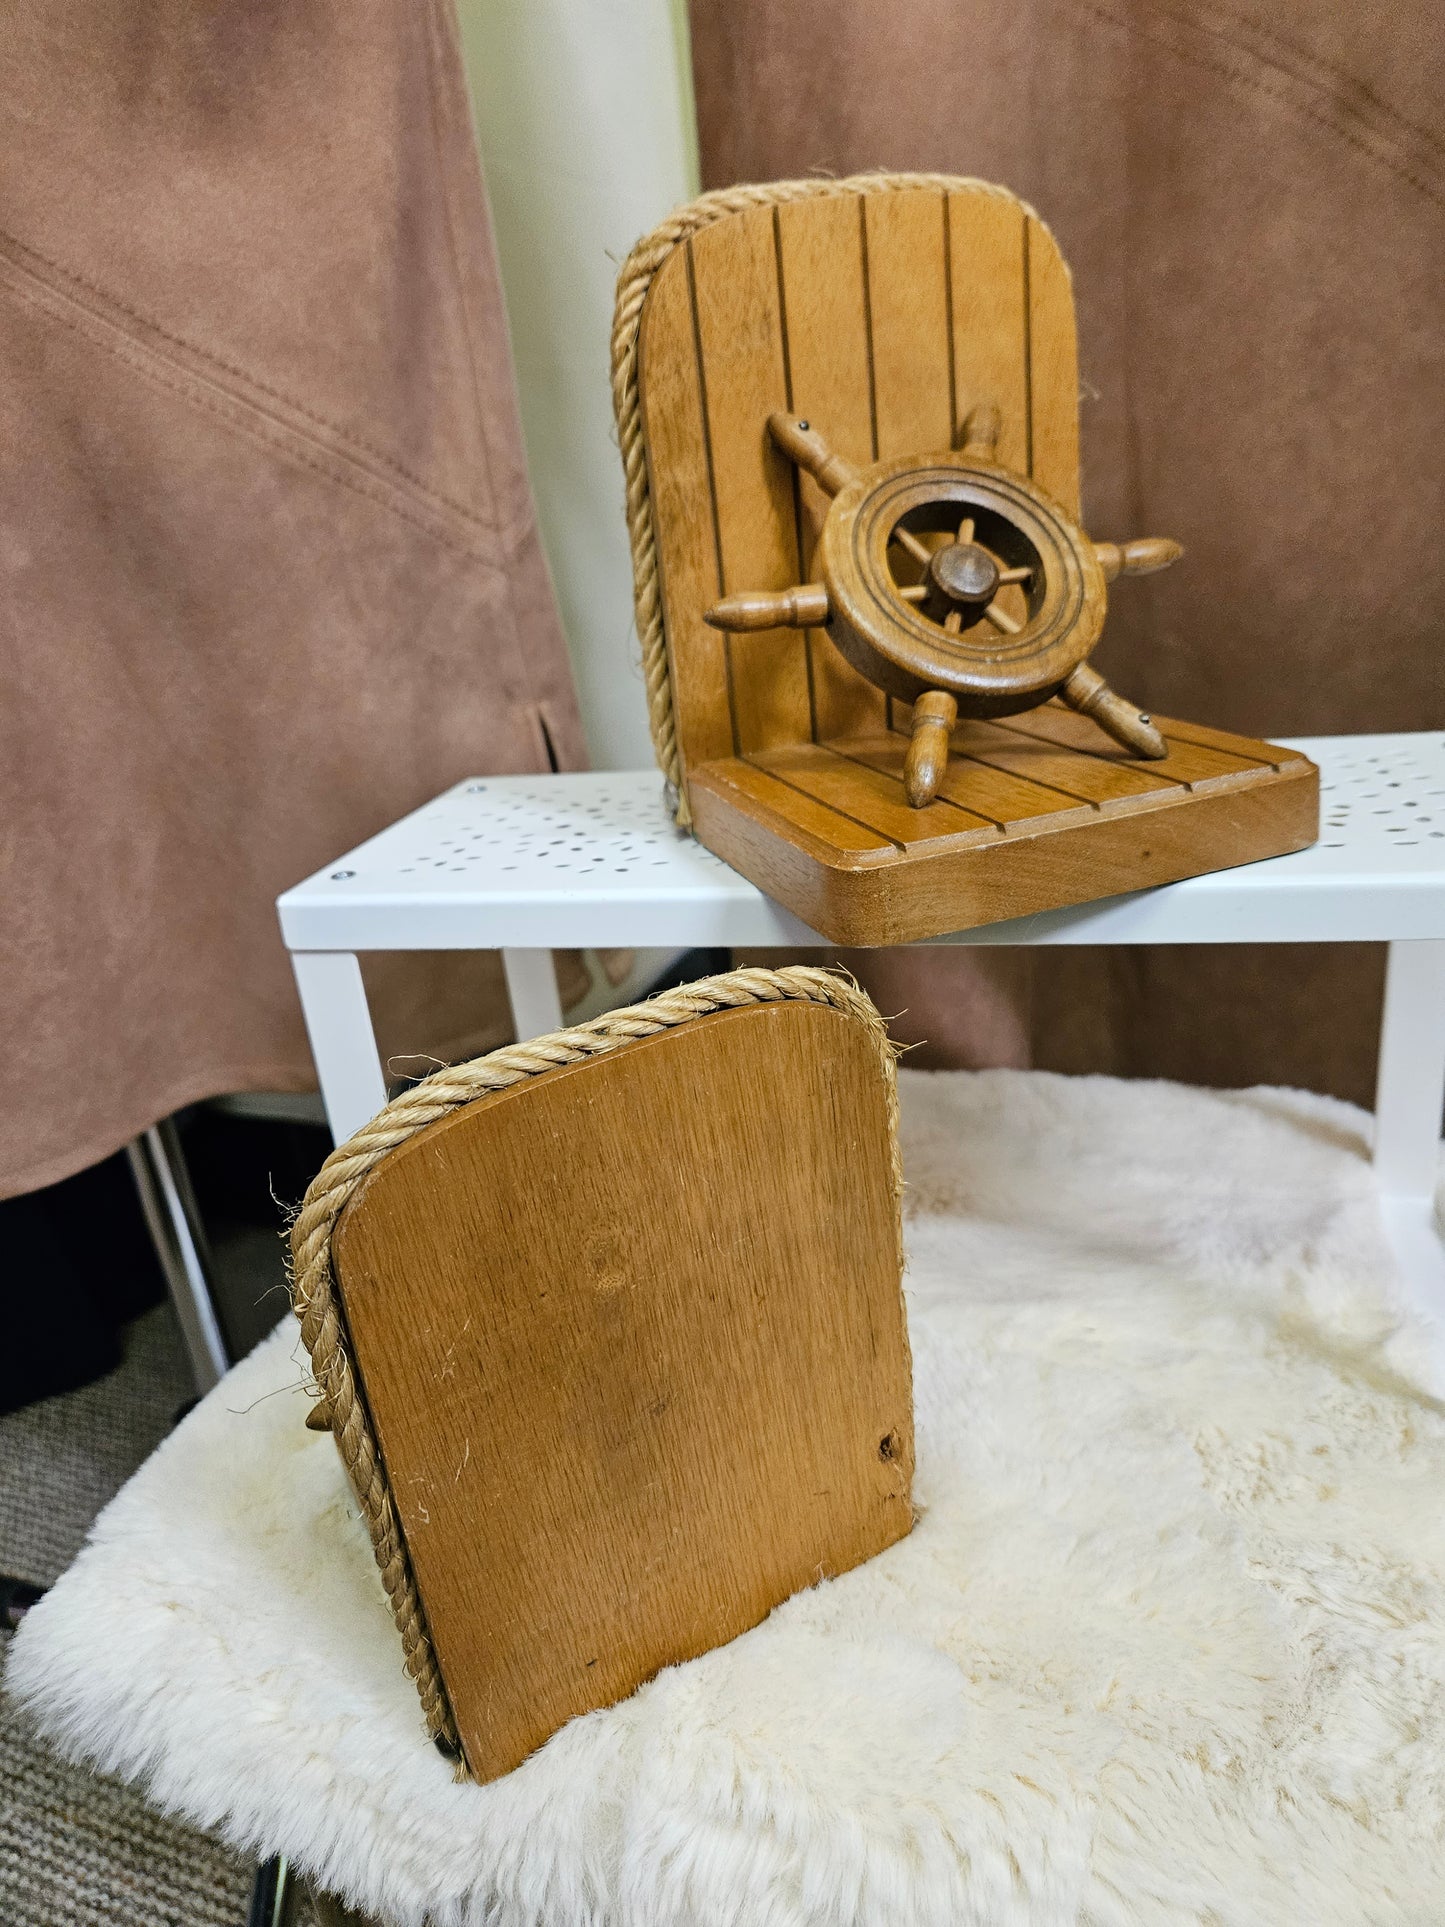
pixel 881 309
pixel 880 316
pixel 633 1352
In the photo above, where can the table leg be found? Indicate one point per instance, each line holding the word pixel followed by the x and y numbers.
pixel 532 987
pixel 343 1043
pixel 1409 1097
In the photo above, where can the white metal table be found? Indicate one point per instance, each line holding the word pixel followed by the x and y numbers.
pixel 528 864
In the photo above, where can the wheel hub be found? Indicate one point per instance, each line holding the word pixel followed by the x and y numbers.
pixel 965 574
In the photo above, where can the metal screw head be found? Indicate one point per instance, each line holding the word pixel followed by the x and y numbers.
pixel 1145 719
pixel 340 876
pixel 804 426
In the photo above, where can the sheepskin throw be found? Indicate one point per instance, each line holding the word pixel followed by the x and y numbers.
pixel 1167 1645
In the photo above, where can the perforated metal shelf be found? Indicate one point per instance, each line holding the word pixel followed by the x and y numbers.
pixel 524 861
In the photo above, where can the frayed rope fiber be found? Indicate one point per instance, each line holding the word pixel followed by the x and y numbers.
pixel 633 283
pixel 323 1327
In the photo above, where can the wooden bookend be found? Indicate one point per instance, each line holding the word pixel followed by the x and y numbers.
pixel 849 414
pixel 633 1351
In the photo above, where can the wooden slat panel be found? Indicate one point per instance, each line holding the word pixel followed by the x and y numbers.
pixel 949 883
pixel 909 308
pixel 997 795
pixel 1053 372
pixel 868 797
pixel 1086 778
pixel 682 503
pixel 986 263
pixel 1190 764
pixel 1244 746
pixel 739 326
pixel 835 832
pixel 910 303
pixel 820 254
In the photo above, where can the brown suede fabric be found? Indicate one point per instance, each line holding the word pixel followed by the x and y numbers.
pixel 1251 201
pixel 269 574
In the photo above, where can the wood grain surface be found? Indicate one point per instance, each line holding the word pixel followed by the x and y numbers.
pixel 632 1340
pixel 883 318
pixel 1033 812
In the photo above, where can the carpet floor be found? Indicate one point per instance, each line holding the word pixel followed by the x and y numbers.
pixel 80 1849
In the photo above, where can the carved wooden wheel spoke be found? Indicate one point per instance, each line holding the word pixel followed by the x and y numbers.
pixel 947 641
pixel 965 563
pixel 962 577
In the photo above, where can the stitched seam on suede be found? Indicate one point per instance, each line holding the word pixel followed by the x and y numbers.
pixel 106 310
pixel 436 37
pixel 1337 125
pixel 435 57
pixel 232 412
pixel 1307 69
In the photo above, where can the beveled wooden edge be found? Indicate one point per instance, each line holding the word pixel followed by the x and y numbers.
pixel 341 1404
pixel 845 844
pixel 889 895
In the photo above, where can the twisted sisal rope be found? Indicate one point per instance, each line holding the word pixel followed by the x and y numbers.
pixel 313 1292
pixel 632 286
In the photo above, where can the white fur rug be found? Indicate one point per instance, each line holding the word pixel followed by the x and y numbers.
pixel 1167 1644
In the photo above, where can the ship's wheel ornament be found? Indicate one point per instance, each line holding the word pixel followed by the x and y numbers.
pixel 957 585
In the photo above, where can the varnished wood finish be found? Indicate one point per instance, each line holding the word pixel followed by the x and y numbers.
pixel 926 761
pixel 882 319
pixel 1053 372
pixel 801 608
pixel 802 443
pixel 632 1340
pixel 998 344
pixel 982 427
pixel 1145 555
pixel 897 323
pixel 909 638
pixel 828 271
pixel 737 323
pixel 907 649
pixel 1033 812
pixel 674 405
pixel 1087 692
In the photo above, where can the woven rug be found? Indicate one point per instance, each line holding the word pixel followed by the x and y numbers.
pixel 1166 1646
pixel 78 1849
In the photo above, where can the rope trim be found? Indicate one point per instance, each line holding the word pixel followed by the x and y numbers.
pixel 313 1291
pixel 633 283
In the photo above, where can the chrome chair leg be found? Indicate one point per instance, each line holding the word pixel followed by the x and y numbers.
pixel 273 1898
pixel 158 1165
